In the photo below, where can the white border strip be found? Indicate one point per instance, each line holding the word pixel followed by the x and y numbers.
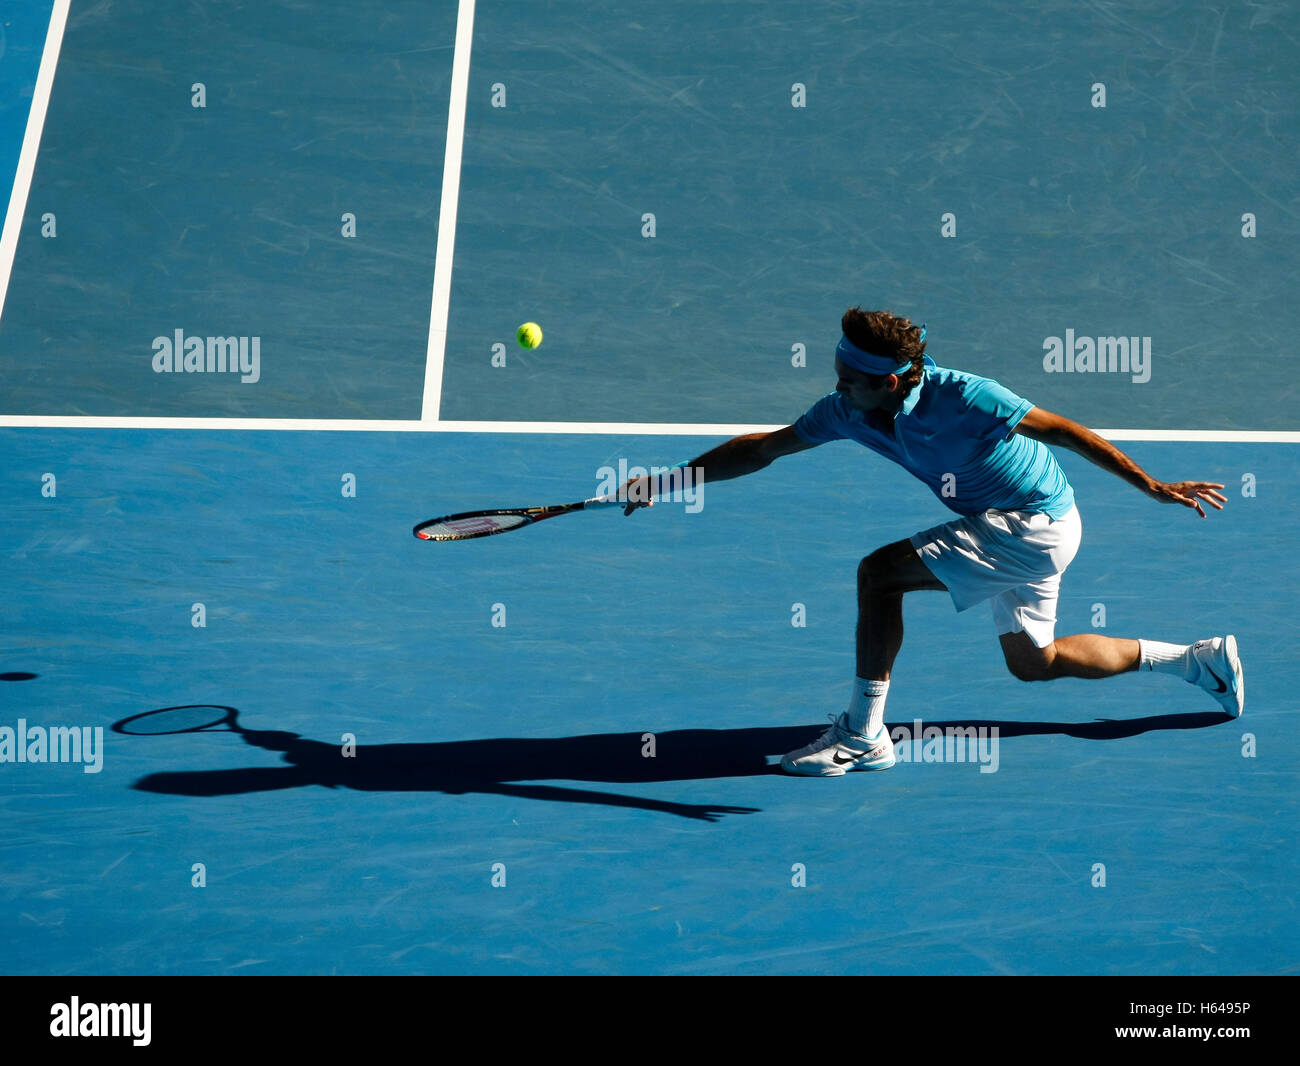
pixel 639 429
pixel 447 214
pixel 31 145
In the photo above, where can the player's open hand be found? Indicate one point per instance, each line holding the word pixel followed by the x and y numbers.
pixel 1190 494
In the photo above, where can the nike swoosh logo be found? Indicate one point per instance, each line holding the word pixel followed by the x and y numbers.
pixel 855 758
pixel 1223 685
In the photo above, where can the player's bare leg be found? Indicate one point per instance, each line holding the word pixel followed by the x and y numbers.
pixel 858 739
pixel 1213 665
pixel 883 577
pixel 1080 655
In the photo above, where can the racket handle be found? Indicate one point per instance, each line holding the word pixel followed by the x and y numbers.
pixel 603 501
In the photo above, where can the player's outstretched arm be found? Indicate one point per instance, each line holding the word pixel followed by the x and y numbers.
pixel 733 458
pixel 1059 431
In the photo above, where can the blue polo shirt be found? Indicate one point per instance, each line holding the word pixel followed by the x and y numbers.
pixel 952 432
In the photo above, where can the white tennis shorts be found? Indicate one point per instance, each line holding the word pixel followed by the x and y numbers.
pixel 1014 558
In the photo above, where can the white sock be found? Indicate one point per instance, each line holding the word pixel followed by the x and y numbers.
pixel 867 708
pixel 1169 659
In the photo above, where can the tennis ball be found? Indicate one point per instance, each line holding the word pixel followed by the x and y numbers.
pixel 529 335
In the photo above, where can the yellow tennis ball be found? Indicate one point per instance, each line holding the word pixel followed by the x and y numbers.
pixel 529 335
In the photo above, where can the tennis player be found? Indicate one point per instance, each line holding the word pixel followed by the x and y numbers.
pixel 984 452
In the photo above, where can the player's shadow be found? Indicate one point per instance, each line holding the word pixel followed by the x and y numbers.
pixel 506 766
pixel 1101 729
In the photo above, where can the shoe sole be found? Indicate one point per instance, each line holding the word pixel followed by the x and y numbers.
pixel 838 772
pixel 1238 674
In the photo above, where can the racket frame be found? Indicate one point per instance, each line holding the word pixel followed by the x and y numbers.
pixel 226 718
pixel 529 515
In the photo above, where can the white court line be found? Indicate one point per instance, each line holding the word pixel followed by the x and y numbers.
pixel 31 145
pixel 613 429
pixel 447 214
pixel 334 425
pixel 1205 436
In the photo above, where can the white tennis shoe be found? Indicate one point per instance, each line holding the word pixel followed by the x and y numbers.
pixel 1220 672
pixel 838 750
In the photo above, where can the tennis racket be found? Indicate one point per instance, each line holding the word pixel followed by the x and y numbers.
pixel 470 524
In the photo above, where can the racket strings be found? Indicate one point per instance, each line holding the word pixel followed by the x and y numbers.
pixel 473 526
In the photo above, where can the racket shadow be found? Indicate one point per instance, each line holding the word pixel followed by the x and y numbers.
pixel 509 766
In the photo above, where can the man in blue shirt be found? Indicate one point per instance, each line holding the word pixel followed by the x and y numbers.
pixel 983 451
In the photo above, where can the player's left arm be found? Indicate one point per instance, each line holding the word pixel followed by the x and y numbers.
pixel 1058 431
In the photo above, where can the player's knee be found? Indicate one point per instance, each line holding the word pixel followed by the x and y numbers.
pixel 1032 667
pixel 873 573
pixel 864 574
pixel 1024 671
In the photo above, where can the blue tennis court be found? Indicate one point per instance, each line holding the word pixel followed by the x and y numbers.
pixel 554 752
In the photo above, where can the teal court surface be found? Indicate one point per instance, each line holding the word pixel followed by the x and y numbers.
pixel 555 751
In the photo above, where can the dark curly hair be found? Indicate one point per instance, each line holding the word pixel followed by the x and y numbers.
pixel 885 333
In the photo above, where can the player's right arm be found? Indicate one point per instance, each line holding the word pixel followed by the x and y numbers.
pixel 1057 430
pixel 733 458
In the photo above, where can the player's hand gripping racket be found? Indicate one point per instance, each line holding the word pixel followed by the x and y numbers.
pixel 470 524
